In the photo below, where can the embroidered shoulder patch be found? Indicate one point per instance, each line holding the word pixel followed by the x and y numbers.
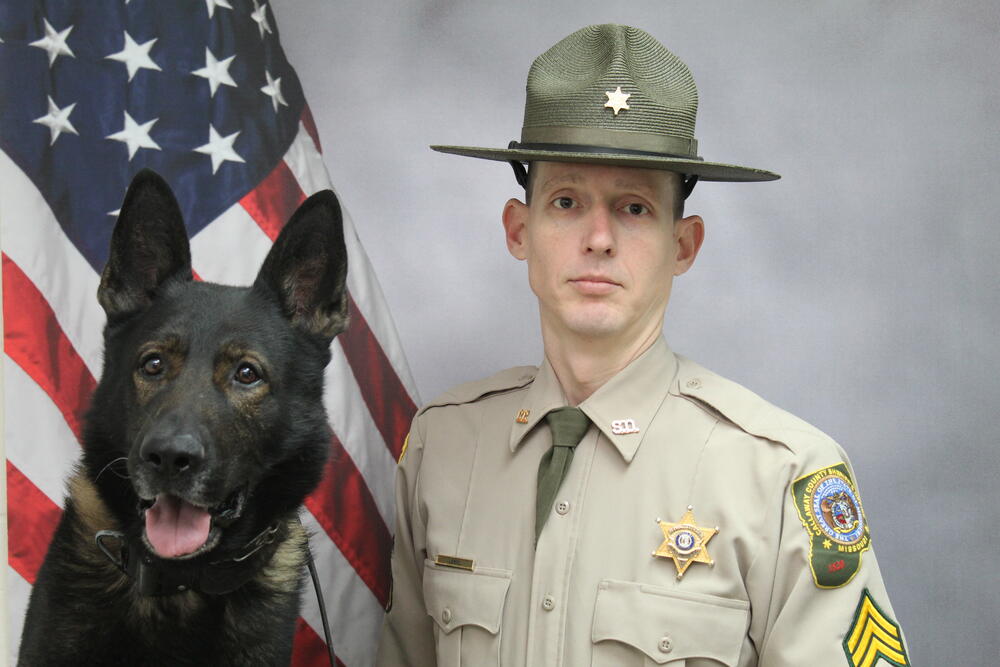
pixel 830 509
pixel 873 635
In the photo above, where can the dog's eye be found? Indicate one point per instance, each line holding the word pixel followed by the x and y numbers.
pixel 153 365
pixel 247 374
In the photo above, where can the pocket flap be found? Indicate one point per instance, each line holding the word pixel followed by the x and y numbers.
pixel 454 598
pixel 668 624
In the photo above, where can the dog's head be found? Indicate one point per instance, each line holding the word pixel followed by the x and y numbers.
pixel 208 421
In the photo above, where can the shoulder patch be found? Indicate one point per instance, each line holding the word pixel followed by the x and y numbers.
pixel 830 510
pixel 873 635
pixel 512 378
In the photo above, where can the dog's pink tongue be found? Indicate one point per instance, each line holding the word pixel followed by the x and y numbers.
pixel 175 527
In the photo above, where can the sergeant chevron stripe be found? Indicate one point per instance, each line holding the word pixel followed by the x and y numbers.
pixel 873 635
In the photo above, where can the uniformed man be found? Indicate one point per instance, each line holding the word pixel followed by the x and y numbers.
pixel 620 504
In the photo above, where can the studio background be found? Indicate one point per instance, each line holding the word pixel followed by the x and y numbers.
pixel 859 292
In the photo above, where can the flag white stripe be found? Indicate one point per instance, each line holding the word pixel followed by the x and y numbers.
pixel 46 432
pixel 234 230
pixel 355 615
pixel 33 240
pixel 18 591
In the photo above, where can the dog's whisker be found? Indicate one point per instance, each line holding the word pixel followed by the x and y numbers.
pixel 108 467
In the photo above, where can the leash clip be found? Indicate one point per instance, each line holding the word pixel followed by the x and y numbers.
pixel 119 560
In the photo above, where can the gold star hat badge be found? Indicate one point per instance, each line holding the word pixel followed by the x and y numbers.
pixel 617 100
pixel 685 542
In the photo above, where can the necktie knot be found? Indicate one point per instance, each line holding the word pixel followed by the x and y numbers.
pixel 568 426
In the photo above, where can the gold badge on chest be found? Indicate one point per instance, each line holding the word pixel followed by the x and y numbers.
pixel 685 542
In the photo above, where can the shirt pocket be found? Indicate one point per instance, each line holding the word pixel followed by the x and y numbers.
pixel 467 608
pixel 638 624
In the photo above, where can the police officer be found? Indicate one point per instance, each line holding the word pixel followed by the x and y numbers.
pixel 620 504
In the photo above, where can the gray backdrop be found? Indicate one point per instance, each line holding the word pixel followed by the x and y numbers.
pixel 859 292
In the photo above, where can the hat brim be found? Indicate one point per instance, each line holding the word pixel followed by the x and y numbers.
pixel 706 171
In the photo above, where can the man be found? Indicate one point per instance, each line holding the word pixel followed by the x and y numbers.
pixel 622 505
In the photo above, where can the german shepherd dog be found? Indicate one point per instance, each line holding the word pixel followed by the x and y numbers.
pixel 180 542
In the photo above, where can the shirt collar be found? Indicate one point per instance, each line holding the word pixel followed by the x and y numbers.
pixel 623 408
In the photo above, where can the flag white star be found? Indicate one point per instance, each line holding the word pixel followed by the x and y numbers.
pixel 216 71
pixel 54 42
pixel 259 14
pixel 135 56
pixel 617 100
pixel 57 120
pixel 273 90
pixel 220 148
pixel 212 4
pixel 135 136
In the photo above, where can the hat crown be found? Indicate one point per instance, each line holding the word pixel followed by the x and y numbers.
pixel 569 85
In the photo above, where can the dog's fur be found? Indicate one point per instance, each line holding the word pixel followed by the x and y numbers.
pixel 212 395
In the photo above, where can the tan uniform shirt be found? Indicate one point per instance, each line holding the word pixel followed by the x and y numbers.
pixel 592 592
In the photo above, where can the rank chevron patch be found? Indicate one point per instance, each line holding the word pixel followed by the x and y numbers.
pixel 873 635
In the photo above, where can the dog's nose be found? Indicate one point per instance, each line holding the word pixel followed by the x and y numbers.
pixel 171 455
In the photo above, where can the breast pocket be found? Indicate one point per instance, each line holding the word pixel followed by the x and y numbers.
pixel 636 624
pixel 467 608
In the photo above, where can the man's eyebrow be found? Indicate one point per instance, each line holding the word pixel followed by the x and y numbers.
pixel 570 177
pixel 639 186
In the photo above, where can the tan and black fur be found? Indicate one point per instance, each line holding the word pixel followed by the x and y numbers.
pixel 212 395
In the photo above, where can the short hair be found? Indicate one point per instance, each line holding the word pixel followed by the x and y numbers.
pixel 678 191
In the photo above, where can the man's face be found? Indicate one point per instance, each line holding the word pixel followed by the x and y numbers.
pixel 602 248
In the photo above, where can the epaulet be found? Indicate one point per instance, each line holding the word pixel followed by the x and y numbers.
pixel 747 410
pixel 470 392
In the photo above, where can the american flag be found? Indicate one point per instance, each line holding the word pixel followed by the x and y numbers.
pixel 199 91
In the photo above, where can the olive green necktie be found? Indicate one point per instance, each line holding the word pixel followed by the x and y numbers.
pixel 568 426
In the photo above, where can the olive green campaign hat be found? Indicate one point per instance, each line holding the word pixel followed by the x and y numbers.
pixel 612 94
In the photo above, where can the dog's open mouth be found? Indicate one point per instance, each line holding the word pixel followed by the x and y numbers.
pixel 175 528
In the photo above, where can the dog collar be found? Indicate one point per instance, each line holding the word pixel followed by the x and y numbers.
pixel 155 577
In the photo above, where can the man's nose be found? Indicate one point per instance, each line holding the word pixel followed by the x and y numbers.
pixel 600 234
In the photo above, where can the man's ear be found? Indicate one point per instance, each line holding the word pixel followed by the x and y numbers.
pixel 689 234
pixel 306 268
pixel 515 217
pixel 149 246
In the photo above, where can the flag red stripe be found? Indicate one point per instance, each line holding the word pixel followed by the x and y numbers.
pixel 309 649
pixel 36 342
pixel 390 405
pixel 274 200
pixel 31 520
pixel 270 204
pixel 344 506
pixel 310 125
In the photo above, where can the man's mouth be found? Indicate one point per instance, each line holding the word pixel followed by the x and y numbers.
pixel 176 528
pixel 594 285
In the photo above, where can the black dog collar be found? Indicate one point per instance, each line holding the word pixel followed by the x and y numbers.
pixel 155 577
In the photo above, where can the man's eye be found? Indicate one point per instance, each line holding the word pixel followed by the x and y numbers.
pixel 563 202
pixel 636 209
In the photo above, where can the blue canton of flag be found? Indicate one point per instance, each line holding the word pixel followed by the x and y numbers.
pixel 199 91
pixel 210 105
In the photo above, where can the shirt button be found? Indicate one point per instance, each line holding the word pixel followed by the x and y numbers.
pixel 562 507
pixel 446 616
pixel 693 383
pixel 666 645
pixel 548 603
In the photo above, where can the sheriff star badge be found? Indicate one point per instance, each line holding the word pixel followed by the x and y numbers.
pixel 685 542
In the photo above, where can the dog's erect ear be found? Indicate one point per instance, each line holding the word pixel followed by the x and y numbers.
pixel 306 268
pixel 149 246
